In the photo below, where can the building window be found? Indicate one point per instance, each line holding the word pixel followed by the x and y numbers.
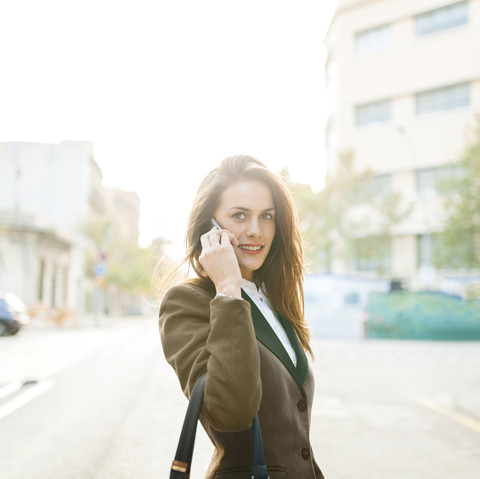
pixel 442 19
pixel 53 288
pixel 424 250
pixel 433 253
pixel 372 113
pixel 374 187
pixel 445 98
pixel 380 184
pixel 426 180
pixel 373 40
pixel 431 180
pixel 65 286
pixel 41 277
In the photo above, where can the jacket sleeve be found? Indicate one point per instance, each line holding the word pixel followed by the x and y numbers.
pixel 214 336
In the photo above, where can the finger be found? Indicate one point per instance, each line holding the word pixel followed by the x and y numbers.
pixel 216 237
pixel 205 241
pixel 211 238
pixel 228 237
pixel 217 234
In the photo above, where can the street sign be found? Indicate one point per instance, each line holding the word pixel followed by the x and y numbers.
pixel 100 270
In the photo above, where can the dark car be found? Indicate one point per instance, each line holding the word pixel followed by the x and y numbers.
pixel 13 314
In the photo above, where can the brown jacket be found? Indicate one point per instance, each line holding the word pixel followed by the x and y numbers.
pixel 249 372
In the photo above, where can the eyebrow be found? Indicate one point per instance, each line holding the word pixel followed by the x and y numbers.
pixel 242 208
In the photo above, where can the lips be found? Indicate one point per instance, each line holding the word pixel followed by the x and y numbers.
pixel 250 248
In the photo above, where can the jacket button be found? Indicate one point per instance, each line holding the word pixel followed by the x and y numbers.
pixel 306 453
pixel 302 405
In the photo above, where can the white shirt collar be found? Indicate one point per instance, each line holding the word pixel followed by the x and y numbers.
pixel 251 287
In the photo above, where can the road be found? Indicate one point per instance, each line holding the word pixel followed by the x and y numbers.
pixel 98 403
pixel 393 409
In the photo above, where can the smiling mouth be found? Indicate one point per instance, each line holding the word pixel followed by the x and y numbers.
pixel 250 248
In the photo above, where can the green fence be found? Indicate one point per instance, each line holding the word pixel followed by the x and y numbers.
pixel 437 316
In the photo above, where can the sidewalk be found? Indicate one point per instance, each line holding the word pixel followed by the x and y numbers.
pixel 87 321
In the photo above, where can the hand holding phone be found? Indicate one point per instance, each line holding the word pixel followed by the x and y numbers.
pixel 219 260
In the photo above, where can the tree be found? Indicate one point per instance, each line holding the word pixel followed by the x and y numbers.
pixel 347 219
pixel 458 245
pixel 128 266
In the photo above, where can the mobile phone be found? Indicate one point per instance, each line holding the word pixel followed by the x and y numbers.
pixel 214 223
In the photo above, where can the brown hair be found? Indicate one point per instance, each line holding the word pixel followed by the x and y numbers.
pixel 282 271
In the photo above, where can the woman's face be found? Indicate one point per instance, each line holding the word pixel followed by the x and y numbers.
pixel 246 209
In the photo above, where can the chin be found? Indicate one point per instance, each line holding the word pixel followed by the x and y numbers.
pixel 251 267
pixel 251 264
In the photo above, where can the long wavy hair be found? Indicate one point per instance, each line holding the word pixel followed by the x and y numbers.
pixel 282 271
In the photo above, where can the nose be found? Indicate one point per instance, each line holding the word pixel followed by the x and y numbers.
pixel 253 228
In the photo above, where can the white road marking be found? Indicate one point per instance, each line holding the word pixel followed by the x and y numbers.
pixel 35 390
pixel 460 418
pixel 31 393
pixel 10 388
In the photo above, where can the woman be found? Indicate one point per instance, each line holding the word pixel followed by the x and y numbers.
pixel 241 322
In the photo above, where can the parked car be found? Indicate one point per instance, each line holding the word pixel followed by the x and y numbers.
pixel 335 304
pixel 13 314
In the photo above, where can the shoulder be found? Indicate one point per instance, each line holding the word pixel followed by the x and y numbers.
pixel 185 296
pixel 184 308
pixel 187 291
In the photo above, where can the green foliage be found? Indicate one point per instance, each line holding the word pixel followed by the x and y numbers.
pixel 332 229
pixel 372 253
pixel 129 266
pixel 458 245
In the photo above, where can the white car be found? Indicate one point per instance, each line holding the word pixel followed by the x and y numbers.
pixel 335 306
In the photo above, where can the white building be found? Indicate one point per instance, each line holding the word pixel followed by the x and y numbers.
pixel 34 260
pixel 47 192
pixel 403 84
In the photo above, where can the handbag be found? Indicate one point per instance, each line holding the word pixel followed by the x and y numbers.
pixel 183 456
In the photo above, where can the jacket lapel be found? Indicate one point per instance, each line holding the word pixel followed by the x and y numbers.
pixel 267 336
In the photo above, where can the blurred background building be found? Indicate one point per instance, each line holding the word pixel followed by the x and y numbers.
pixel 58 223
pixel 403 86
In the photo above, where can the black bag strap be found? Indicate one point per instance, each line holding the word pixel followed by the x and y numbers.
pixel 259 466
pixel 183 456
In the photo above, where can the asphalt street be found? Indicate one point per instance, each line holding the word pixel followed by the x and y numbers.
pixel 101 402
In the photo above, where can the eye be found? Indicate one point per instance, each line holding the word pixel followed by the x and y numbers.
pixel 267 216
pixel 239 216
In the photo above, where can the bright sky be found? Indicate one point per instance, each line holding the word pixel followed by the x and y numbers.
pixel 167 89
